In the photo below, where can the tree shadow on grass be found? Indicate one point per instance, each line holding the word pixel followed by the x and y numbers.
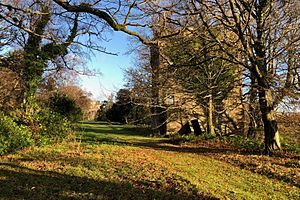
pixel 17 182
pixel 108 134
pixel 99 123
pixel 217 152
pixel 128 131
pixel 92 140
pixel 103 135
pixel 166 145
pixel 112 134
pixel 98 136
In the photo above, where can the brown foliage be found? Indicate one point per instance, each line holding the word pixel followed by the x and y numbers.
pixel 11 90
pixel 289 125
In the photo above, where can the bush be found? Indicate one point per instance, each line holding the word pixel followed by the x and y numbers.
pixel 64 105
pixel 46 125
pixel 52 126
pixel 244 142
pixel 289 146
pixel 13 137
pixel 31 125
pixel 181 139
pixel 119 113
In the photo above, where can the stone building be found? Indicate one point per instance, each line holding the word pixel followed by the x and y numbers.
pixel 179 107
pixel 182 107
pixel 91 112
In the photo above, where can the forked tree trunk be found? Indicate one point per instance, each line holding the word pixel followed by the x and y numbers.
pixel 260 64
pixel 271 140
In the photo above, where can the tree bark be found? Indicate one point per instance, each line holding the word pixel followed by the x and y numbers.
pixel 33 63
pixel 252 107
pixel 210 124
pixel 260 71
pixel 271 140
pixel 155 62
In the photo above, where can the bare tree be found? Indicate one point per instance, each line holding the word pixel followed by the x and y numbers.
pixel 264 32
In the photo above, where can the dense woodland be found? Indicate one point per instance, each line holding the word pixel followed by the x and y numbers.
pixel 208 48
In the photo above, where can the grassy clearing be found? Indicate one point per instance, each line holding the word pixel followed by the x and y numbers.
pixel 117 162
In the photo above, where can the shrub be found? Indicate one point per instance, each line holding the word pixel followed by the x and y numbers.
pixel 13 137
pixel 289 146
pixel 52 126
pixel 244 142
pixel 180 139
pixel 31 125
pixel 46 125
pixel 64 105
pixel 119 112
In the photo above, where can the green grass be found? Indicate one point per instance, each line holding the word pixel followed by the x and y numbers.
pixel 99 133
pixel 120 162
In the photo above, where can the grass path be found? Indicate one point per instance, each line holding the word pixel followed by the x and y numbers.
pixel 117 162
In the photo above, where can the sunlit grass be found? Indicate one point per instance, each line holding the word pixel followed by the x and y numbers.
pixel 120 162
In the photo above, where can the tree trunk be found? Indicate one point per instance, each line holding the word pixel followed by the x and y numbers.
pixel 261 73
pixel 154 62
pixel 272 140
pixel 210 125
pixel 33 75
pixel 252 108
pixel 33 63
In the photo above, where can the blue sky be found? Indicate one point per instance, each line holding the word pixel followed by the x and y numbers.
pixel 110 66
